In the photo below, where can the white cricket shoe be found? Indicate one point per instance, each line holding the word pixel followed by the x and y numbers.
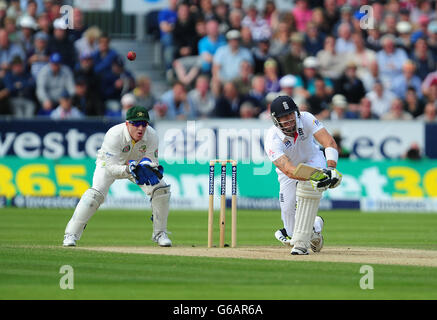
pixel 316 241
pixel 299 251
pixel 162 239
pixel 281 236
pixel 69 240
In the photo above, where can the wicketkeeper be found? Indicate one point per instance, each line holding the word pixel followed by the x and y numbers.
pixel 129 151
pixel 292 140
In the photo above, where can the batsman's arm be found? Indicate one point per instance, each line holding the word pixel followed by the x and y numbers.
pixel 327 141
pixel 284 164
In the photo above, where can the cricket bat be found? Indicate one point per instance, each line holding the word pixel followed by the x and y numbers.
pixel 305 171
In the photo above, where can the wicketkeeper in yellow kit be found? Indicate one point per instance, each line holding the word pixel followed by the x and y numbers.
pixel 129 151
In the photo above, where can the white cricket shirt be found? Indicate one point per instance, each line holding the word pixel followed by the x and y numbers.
pixel 118 148
pixel 302 148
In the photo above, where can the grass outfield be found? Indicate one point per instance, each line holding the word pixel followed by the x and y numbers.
pixel 31 257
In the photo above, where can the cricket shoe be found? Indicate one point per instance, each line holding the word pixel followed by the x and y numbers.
pixel 282 236
pixel 316 241
pixel 70 240
pixel 162 239
pixel 299 251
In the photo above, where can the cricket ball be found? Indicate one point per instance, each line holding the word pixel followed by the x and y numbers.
pixel 131 55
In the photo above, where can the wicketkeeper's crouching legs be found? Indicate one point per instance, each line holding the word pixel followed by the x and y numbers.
pixel 308 201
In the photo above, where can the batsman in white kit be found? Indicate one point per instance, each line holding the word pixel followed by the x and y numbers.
pixel 129 151
pixel 290 142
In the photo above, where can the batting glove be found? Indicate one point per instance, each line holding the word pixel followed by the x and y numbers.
pixel 321 185
pixel 335 177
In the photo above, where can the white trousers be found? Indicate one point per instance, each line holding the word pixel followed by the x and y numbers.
pixel 287 196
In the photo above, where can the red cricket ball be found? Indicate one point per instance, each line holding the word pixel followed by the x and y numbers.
pixel 131 55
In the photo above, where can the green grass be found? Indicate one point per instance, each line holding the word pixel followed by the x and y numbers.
pixel 29 264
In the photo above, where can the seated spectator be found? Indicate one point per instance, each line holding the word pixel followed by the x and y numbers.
pixel 209 44
pixel 361 56
pixel 248 110
pixel 184 33
pixel 429 114
pixel 221 14
pixel 287 84
pixel 305 82
pixel 53 79
pixel 390 60
pixel 11 29
pixel 61 44
pixel 371 76
pixel 432 38
pixel 412 103
pixel 339 109
pixel 8 51
pixel 292 63
pixel 266 114
pixel 244 82
pixel 344 43
pixel 314 40
pixel 408 79
pixel 65 110
pixel 346 17
pixel 261 54
pixel 404 29
pixel 302 14
pixel 380 98
pixel 271 76
pixel 373 39
pixel 85 70
pixel 235 19
pixel 89 42
pixel 319 101
pixel 79 25
pixel 350 86
pixel 28 26
pixel 104 56
pixel 207 9
pixel 86 100
pixel 246 40
pixel 365 110
pixel 186 69
pixel 227 59
pixel 127 101
pixel 331 13
pixel 320 20
pixel 228 103
pixel 167 19
pixel 397 112
pixel 39 56
pixel 423 58
pixel 258 26
pixel 178 106
pixel 44 23
pixel 21 87
pixel 201 98
pixel 143 93
pixel 258 92
pixel 331 64
pixel 280 41
pixel 422 9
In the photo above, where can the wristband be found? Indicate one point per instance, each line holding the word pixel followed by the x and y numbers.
pixel 331 154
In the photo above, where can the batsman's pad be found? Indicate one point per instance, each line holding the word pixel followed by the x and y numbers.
pixel 87 206
pixel 308 201
pixel 160 207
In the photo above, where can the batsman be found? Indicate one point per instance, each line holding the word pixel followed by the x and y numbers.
pixel 291 141
pixel 129 151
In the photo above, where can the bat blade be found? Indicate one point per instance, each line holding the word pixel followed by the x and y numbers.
pixel 305 171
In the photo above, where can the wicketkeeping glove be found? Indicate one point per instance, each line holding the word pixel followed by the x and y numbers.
pixel 132 166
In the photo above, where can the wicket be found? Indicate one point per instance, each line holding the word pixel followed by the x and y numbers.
pixel 222 202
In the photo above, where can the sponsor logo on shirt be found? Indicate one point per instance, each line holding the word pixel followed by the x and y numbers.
pixel 143 149
pixel 156 153
pixel 271 153
pixel 287 144
pixel 126 149
pixel 316 122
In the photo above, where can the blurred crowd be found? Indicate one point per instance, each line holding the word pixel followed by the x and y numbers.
pixel 224 59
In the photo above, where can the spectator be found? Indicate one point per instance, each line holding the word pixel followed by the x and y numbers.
pixel 431 95
pixel 404 29
pixel 423 9
pixel 11 29
pixel 362 56
pixel 430 113
pixel 408 79
pixel 201 98
pixel 371 76
pixel 373 39
pixel 271 76
pixel 244 82
pixel 320 21
pixel 331 13
pixel 292 63
pixel 89 42
pixel 344 43
pixel 39 56
pixel 79 26
pixel 280 42
pixel 389 24
pixel 228 104
pixel 390 60
pixel 287 84
pixel 380 98
pixel 432 38
pixel 413 152
pixel 339 108
pixel 314 40
pixel 258 92
pixel 28 27
pixel 261 54
pixel 271 14
pixel 345 17
pixel 423 58
pixel 14 9
pixel 8 51
pixel 127 101
pixel 331 64
pixel 21 87
pixel 430 80
pixel 53 79
pixel 65 110
pixel 44 23
pixel 246 38
pixel 85 70
pixel 3 8
pixel 178 106
pixel 207 10
pixel 209 44
pixel 186 69
pixel 266 115
pixel 184 33
pixel 105 56
pixel 305 82
pixel 365 110
pixel 397 112
pixel 221 14
pixel 350 86
pixel 61 44
pixel 412 103
pixel 258 26
pixel 302 14
pixel 143 93
pixel 319 101
pixel 228 58
pixel 235 19
pixel 248 110
pixel 86 100
pixel 167 19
